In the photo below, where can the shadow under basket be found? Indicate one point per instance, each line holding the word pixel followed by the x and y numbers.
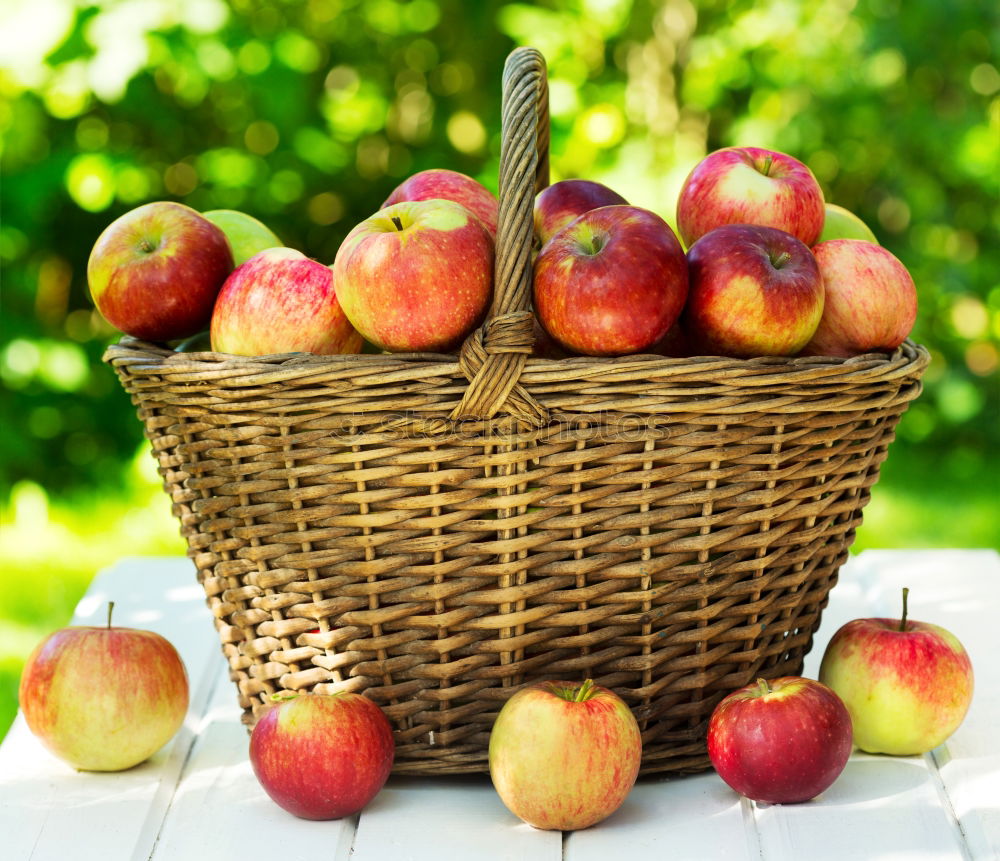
pixel 436 531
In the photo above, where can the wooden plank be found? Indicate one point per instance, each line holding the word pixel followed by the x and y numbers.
pixel 959 590
pixel 48 810
pixel 219 807
pixel 447 818
pixel 688 818
pixel 901 806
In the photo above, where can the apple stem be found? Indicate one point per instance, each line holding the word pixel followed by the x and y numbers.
pixel 111 607
pixel 397 222
pixel 767 165
pixel 902 622
pixel 763 687
pixel 583 692
pixel 781 259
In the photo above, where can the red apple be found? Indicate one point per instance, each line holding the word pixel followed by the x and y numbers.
pixel 449 185
pixel 562 202
pixel 840 223
pixel 611 282
pixel 280 301
pixel 749 185
pixel 322 756
pixel 907 684
pixel 564 755
pixel 104 699
pixel 154 272
pixel 755 291
pixel 780 742
pixel 416 276
pixel 871 300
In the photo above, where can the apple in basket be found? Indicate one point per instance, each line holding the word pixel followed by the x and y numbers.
pixel 416 276
pixel 564 755
pixel 104 698
pixel 280 301
pixel 155 271
pixel 871 300
pixel 780 742
pixel 322 756
pixel 449 185
pixel 245 233
pixel 610 283
pixel 750 185
pixel 840 223
pixel 907 684
pixel 755 291
pixel 562 202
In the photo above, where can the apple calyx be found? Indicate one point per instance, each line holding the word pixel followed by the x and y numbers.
pixel 902 621
pixel 146 246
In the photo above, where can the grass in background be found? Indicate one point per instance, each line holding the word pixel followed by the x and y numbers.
pixel 53 548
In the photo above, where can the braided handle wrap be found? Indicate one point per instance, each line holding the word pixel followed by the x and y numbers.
pixel 493 356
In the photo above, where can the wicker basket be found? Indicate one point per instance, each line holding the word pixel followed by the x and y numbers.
pixel 438 530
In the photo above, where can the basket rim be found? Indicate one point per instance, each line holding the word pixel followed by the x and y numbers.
pixel 144 358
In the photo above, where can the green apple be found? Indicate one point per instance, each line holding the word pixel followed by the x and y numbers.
pixel 246 234
pixel 841 223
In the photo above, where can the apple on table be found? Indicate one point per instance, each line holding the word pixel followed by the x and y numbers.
pixel 750 185
pixel 416 276
pixel 907 684
pixel 564 755
pixel 449 185
pixel 322 756
pixel 781 741
pixel 754 291
pixel 104 698
pixel 611 282
pixel 155 271
pixel 280 301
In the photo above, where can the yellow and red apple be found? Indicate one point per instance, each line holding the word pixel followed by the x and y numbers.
pixel 611 282
pixel 750 185
pixel 416 276
pixel 155 271
pixel 755 291
pixel 280 301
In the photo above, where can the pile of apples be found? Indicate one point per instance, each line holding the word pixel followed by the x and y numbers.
pixel 562 755
pixel 770 269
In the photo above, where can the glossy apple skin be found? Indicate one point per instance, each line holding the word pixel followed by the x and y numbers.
pixel 781 747
pixel 840 223
pixel 280 301
pixel 155 271
pixel 871 300
pixel 610 283
pixel 420 286
pixel 247 236
pixel 755 291
pixel 104 698
pixel 750 185
pixel 907 691
pixel 564 201
pixel 564 765
pixel 449 185
pixel 322 756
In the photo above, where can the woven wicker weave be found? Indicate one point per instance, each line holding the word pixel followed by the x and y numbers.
pixel 436 531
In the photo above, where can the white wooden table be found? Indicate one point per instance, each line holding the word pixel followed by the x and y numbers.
pixel 198 799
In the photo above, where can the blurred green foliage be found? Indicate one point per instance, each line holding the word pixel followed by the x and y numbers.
pixel 307 113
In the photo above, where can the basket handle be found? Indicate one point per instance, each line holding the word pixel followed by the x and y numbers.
pixel 494 355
